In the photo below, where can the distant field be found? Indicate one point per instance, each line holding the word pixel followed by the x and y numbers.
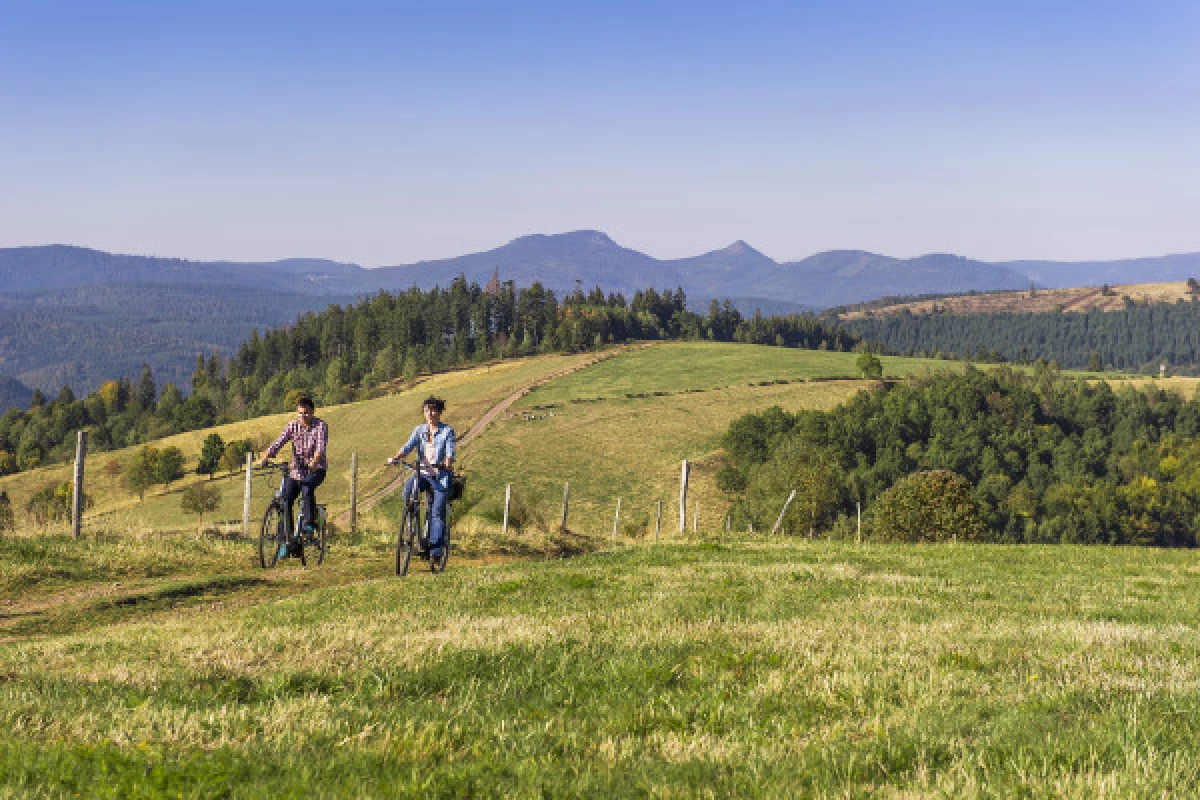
pixel 746 668
pixel 709 365
pixel 1086 298
pixel 628 448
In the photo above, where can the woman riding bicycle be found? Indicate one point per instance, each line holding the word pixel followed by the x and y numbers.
pixel 434 442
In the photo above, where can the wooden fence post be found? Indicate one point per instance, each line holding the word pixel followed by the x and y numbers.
pixel 77 498
pixel 507 501
pixel 858 535
pixel 658 520
pixel 246 496
pixel 566 503
pixel 353 492
pixel 683 486
pixel 616 519
pixel 779 521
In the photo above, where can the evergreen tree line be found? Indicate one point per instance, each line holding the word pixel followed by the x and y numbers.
pixel 1137 338
pixel 999 455
pixel 345 353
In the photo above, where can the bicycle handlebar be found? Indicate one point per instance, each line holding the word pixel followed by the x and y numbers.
pixel 399 462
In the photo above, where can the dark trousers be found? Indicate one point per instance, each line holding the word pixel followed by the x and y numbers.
pixel 306 489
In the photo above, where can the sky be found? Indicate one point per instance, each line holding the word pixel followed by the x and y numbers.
pixel 387 133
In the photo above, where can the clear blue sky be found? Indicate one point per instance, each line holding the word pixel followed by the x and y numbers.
pixel 384 133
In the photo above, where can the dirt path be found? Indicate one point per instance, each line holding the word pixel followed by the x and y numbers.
pixel 394 485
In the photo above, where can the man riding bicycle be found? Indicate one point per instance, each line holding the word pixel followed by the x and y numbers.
pixel 434 442
pixel 309 436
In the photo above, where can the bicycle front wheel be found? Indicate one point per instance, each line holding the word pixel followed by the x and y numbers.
pixel 318 539
pixel 271 536
pixel 409 525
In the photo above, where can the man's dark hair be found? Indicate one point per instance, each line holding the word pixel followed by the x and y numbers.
pixel 306 401
pixel 436 403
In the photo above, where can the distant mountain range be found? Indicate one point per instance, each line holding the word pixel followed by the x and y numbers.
pixel 79 316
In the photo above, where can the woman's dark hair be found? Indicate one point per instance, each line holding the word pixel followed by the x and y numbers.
pixel 436 403
pixel 306 401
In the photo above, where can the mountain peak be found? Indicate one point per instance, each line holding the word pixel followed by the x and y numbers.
pixel 585 237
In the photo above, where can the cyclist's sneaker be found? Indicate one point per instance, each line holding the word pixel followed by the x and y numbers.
pixel 283 550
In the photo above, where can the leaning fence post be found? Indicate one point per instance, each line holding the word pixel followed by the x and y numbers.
pixel 507 501
pixel 246 496
pixel 779 521
pixel 616 519
pixel 77 498
pixel 566 502
pixel 353 492
pixel 658 520
pixel 683 483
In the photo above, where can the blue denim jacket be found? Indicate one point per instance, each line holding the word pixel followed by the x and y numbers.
pixel 443 447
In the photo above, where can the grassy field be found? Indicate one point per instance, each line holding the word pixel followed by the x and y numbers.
pixel 744 667
pixel 373 428
pixel 1080 299
pixel 682 366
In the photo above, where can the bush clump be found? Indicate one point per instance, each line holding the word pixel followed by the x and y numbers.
pixel 931 506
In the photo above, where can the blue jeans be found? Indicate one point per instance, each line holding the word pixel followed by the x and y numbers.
pixel 437 509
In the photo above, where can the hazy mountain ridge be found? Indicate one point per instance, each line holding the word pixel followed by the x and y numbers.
pixel 79 315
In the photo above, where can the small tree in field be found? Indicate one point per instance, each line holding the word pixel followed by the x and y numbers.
pixel 870 366
pixel 7 522
pixel 233 457
pixel 210 455
pixel 200 498
pixel 143 471
pixel 170 465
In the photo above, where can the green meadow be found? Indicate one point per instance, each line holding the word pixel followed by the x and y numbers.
pixel 148 661
pixel 737 666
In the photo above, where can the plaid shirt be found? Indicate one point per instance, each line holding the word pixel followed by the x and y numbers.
pixel 306 442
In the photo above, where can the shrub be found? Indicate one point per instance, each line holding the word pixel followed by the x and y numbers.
pixel 200 498
pixel 933 506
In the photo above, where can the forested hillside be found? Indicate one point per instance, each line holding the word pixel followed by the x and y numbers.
pixel 1137 338
pixel 345 353
pixel 84 336
pixel 999 455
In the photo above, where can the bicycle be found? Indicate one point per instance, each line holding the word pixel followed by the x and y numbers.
pixel 415 524
pixel 275 540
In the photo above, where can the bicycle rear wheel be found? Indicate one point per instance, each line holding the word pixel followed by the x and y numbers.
pixel 410 523
pixel 271 536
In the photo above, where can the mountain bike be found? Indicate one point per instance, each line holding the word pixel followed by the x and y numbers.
pixel 277 539
pixel 415 522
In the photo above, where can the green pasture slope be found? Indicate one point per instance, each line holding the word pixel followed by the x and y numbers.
pixel 621 428
pixel 752 667
pixel 141 662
